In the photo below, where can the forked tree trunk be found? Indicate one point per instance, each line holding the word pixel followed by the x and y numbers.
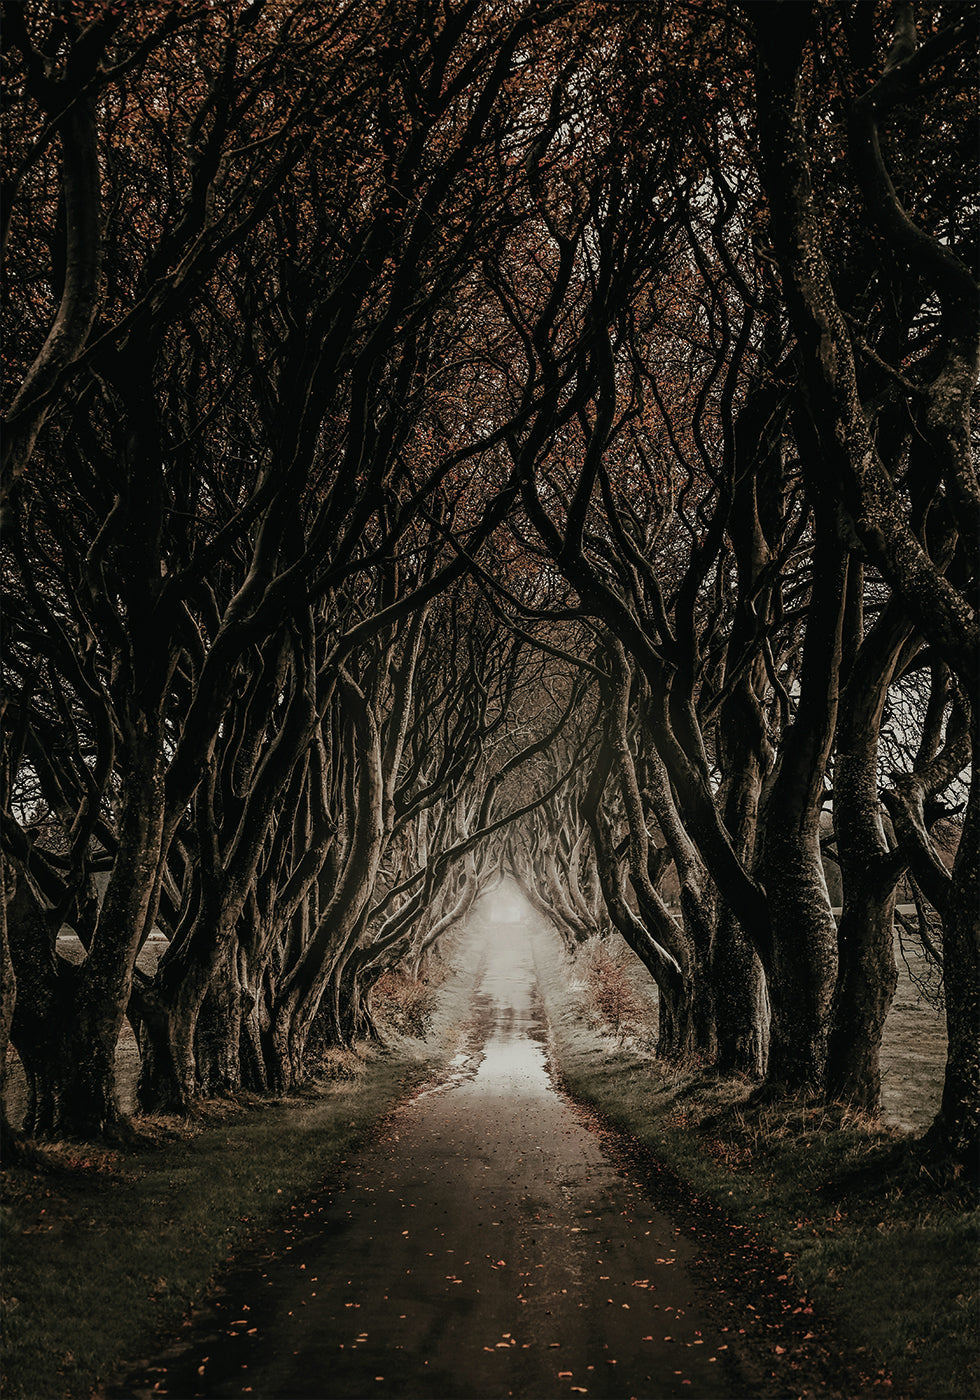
pixel 89 1108
pixel 168 1081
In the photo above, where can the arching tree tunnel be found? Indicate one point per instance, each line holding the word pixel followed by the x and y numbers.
pixel 524 443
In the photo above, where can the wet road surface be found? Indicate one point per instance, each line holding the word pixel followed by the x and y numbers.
pixel 484 1247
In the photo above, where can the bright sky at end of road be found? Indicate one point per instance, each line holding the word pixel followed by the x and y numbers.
pixel 504 904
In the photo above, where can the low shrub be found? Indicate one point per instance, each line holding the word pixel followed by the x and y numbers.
pixel 404 1003
pixel 612 1003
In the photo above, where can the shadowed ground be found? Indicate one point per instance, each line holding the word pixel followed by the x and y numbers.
pixel 495 1241
pixel 485 1246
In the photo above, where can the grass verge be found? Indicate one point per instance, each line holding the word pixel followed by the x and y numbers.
pixel 868 1237
pixel 105 1250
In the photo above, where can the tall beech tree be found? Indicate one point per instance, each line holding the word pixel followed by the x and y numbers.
pixel 904 75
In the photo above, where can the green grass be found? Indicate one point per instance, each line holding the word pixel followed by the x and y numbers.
pixel 105 1249
pixel 871 1238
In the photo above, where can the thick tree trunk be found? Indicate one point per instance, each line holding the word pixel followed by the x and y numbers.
pixel 741 1003
pixel 45 990
pixel 168 1081
pixel 803 965
pixel 676 1028
pixel 89 1107
pixel 866 982
pixel 866 973
pixel 286 1042
pixel 254 1029
pixel 218 1033
pixel 160 1086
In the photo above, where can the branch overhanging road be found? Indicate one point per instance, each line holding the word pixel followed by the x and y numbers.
pixel 487 1245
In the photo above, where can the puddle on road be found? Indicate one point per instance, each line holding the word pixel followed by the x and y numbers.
pixel 505 1057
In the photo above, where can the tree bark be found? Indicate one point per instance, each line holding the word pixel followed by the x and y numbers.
pixel 866 971
pixel 804 934
pixel 955 1134
pixel 89 1107
pixel 300 994
pixel 44 993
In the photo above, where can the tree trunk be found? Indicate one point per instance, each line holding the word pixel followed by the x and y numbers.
pixel 340 922
pixel 741 1005
pixel 866 982
pixel 658 961
pixel 804 933
pixel 89 1108
pixel 45 990
pixel 160 1087
pixel 289 1032
pixel 218 1033
pixel 696 900
pixel 955 1134
pixel 737 979
pixel 804 960
pixel 676 1029
pixel 8 992
pixel 866 972
pixel 255 1024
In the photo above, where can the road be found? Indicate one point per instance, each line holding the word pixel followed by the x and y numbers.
pixel 485 1246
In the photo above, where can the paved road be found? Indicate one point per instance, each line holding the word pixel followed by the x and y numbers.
pixel 485 1247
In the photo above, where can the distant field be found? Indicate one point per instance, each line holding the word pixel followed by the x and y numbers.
pixel 913 1055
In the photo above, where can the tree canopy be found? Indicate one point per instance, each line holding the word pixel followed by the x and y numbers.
pixel 455 437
